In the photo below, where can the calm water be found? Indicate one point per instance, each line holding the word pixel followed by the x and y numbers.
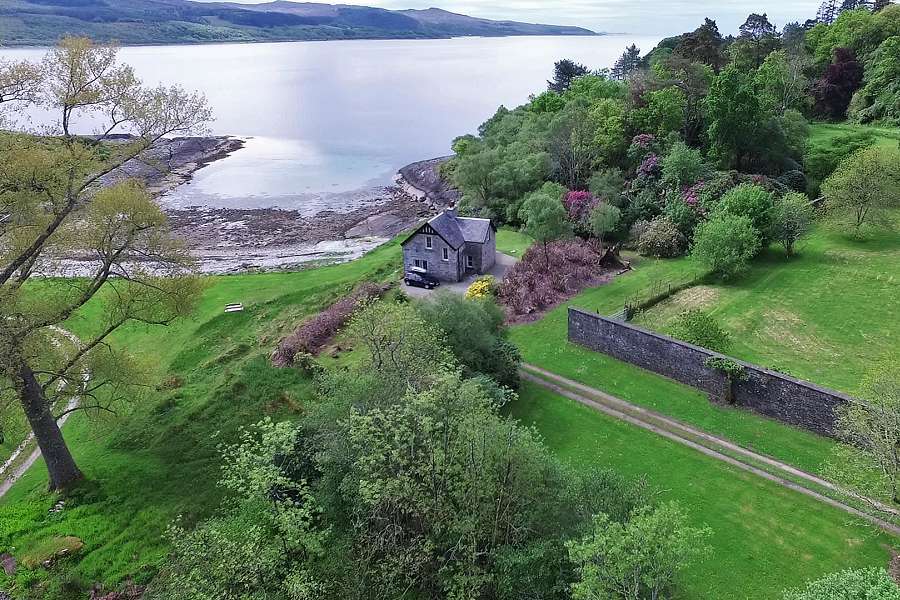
pixel 329 121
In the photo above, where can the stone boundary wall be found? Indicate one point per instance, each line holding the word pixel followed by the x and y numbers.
pixel 769 393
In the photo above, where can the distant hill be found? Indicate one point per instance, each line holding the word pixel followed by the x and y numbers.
pixel 42 22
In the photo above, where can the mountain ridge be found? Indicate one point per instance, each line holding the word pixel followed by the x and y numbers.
pixel 135 22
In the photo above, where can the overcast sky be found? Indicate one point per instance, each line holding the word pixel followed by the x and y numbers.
pixel 631 16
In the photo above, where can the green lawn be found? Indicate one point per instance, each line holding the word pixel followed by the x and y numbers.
pixel 823 315
pixel 513 242
pixel 160 460
pixel 821 134
pixel 765 538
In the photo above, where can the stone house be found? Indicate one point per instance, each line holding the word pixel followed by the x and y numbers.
pixel 451 247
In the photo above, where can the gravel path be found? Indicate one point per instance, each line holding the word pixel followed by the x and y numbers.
pixel 715 447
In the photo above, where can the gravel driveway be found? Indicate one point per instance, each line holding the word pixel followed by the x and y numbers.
pixel 503 263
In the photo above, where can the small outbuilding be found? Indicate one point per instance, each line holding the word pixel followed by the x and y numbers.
pixel 451 247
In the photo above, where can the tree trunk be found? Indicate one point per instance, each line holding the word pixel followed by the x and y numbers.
pixel 60 465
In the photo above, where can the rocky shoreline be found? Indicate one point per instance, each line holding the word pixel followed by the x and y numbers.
pixel 242 240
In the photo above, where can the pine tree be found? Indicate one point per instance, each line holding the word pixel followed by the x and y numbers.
pixel 627 64
pixel 828 12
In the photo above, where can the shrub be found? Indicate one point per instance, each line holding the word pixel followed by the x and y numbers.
pixel 483 287
pixel 474 331
pixel 316 332
pixel 748 200
pixel 726 243
pixel 699 328
pixel 662 239
pixel 683 166
pixel 791 220
pixel 873 583
pixel 636 231
pixel 530 286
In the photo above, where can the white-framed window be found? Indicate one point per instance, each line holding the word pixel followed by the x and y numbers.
pixel 429 242
pixel 470 262
pixel 445 254
pixel 421 264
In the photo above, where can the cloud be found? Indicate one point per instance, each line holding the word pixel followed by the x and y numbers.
pixel 647 17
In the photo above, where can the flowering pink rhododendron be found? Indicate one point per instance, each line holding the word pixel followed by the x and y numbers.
pixel 643 140
pixel 650 167
pixel 579 205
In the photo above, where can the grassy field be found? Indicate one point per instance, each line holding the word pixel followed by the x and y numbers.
pixel 823 315
pixel 543 343
pixel 160 461
pixel 511 241
pixel 822 134
pixel 765 538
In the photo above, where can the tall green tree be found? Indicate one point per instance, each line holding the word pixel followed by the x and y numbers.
pixel 734 112
pixel 704 45
pixel 56 208
pixel 564 73
pixel 758 38
pixel 628 64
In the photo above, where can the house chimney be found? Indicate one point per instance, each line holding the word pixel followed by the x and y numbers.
pixel 451 211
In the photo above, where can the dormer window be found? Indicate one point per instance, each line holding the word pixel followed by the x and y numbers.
pixel 429 242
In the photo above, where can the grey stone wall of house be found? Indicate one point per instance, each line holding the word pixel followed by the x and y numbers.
pixel 416 248
pixel 789 400
pixel 483 255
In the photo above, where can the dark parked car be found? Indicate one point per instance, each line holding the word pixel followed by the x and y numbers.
pixel 421 279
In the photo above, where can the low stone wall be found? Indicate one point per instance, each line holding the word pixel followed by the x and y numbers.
pixel 792 401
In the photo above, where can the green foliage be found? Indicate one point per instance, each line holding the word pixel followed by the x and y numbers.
pixel 852 584
pixel 790 220
pixel 663 114
pixel 544 214
pixel 265 541
pixel 701 329
pixel 662 239
pixel 866 466
pixel 734 113
pixel 682 166
pixel 726 244
pixel 734 371
pixel 823 158
pixel 751 201
pixel 782 82
pixel 639 559
pixel 475 333
pixel 608 118
pixel 604 220
pixel 879 99
pixel 607 185
pixel 547 102
pixel 864 189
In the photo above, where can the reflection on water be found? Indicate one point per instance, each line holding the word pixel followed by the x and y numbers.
pixel 286 173
pixel 330 121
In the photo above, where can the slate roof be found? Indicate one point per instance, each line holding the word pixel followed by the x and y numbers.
pixel 474 230
pixel 447 226
pixel 456 231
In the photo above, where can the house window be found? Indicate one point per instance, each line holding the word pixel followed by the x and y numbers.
pixel 421 264
pixel 445 253
pixel 470 262
pixel 429 242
